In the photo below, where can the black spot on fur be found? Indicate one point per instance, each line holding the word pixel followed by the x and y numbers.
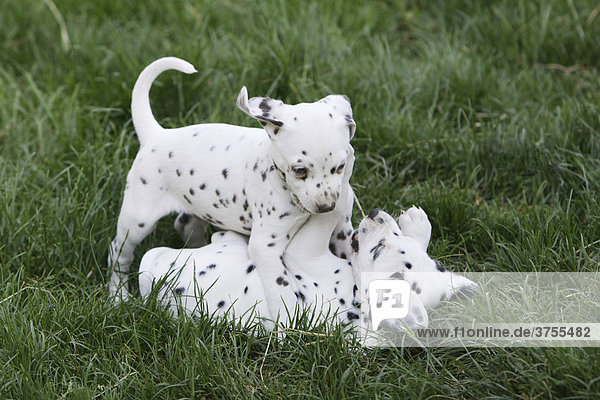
pixel 221 304
pixel 316 284
pixel 337 271
pixel 191 191
pixel 250 268
pixel 408 265
pixel 281 281
pixel 272 244
pixel 179 290
pixel 202 187
pixel 170 154
pixel 225 172
pixel 143 180
pixel 439 267
pixel 374 213
pixel 187 199
pixel 397 275
pixel 376 250
pixel 343 256
pixel 141 224
pixel 246 290
pixel 201 273
pixel 263 176
pixel 211 266
pixel 299 277
pixel 341 235
pixel 264 105
pixel 342 301
pixel 352 316
pixel 191 172
pixel 332 247
pixel 285 214
pixel 354 241
pixel 178 172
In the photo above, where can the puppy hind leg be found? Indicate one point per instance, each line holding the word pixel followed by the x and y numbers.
pixel 191 230
pixel 136 221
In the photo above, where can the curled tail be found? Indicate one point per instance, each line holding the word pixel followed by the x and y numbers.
pixel 143 120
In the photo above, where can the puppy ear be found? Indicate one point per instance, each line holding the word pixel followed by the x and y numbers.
pixel 262 109
pixel 341 104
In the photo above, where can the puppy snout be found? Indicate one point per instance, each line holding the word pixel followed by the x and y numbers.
pixel 326 207
pixel 374 213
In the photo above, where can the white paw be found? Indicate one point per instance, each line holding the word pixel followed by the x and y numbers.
pixel 414 223
pixel 461 288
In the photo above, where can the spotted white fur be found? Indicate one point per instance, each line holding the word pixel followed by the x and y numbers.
pixel 263 182
pixel 221 278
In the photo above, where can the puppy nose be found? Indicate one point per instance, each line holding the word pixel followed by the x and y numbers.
pixel 374 213
pixel 323 208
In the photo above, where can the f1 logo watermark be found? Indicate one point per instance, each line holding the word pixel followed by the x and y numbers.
pixel 388 299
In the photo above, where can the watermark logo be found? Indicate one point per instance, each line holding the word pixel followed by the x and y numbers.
pixel 389 299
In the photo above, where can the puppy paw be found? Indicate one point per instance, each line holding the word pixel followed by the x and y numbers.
pixel 415 224
pixel 460 289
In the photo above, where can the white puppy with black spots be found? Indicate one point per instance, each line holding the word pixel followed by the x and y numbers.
pixel 221 279
pixel 265 183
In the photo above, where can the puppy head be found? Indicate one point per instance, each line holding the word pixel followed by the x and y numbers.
pixel 378 245
pixel 311 145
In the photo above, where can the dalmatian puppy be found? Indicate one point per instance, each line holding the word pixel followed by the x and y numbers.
pixel 265 183
pixel 381 244
pixel 221 279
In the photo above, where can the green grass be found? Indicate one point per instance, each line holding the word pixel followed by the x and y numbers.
pixel 486 114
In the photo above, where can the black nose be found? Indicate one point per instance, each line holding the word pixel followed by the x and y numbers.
pixel 323 208
pixel 374 213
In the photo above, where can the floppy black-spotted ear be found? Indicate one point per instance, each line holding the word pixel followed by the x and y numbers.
pixel 263 109
pixel 341 104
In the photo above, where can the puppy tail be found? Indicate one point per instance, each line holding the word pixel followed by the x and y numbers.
pixel 143 120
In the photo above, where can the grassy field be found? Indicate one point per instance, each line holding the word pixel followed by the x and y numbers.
pixel 486 114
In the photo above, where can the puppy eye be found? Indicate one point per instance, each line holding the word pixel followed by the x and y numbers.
pixel 301 172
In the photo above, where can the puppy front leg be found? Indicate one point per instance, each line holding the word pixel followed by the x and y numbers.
pixel 266 250
pixel 339 243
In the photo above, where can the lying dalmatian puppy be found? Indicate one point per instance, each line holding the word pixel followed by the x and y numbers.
pixel 221 279
pixel 400 249
pixel 262 182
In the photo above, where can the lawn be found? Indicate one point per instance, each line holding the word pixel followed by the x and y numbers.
pixel 484 113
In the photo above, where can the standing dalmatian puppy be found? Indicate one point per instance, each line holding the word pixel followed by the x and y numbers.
pixel 262 182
